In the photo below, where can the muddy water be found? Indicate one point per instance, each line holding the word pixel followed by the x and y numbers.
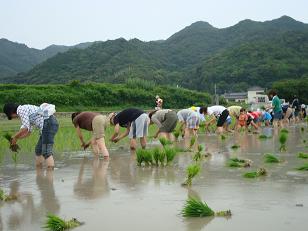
pixel 118 195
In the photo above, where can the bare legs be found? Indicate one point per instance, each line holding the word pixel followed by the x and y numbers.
pixel 39 160
pixel 99 146
pixel 133 143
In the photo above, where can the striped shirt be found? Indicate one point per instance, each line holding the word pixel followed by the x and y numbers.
pixel 29 117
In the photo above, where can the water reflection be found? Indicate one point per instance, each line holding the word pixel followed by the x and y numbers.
pixel 96 185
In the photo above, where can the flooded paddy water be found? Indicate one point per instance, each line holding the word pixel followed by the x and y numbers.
pixel 116 194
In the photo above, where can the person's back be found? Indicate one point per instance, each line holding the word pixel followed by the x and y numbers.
pixel 276 104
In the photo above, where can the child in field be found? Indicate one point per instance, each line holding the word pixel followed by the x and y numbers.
pixel 189 122
pixel 296 107
pixel 165 120
pixel 242 119
pixel 96 123
pixel 159 103
pixel 303 111
pixel 136 123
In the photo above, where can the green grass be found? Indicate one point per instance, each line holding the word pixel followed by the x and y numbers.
pixel 196 208
pixel 255 174
pixel 270 158
pixel 302 155
pixel 304 167
pixel 55 223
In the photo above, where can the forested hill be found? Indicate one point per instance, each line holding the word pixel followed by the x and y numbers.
pixel 248 53
pixel 16 57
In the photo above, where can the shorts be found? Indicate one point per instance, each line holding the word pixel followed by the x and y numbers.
pixel 229 120
pixel 169 124
pixel 99 124
pixel 139 127
pixel 45 143
pixel 193 121
pixel 277 115
pixel 222 118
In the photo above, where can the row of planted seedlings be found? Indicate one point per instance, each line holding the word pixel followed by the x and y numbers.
pixel 195 207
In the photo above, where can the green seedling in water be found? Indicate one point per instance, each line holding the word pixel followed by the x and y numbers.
pixel 139 156
pixel 5 197
pixel 259 172
pixel 55 223
pixel 198 154
pixel 235 146
pixel 302 129
pixel 161 158
pixel 170 154
pixel 192 142
pixel 196 208
pixel 284 130
pixel 13 147
pixel 15 157
pixel 302 155
pixel 176 134
pixel 192 171
pixel 270 158
pixel 164 141
pixel 222 137
pixel 147 157
pixel 156 153
pixel 282 140
pixel 238 163
pixel 264 136
pixel 303 167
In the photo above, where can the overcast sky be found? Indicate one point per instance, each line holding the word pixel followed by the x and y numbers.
pixel 39 23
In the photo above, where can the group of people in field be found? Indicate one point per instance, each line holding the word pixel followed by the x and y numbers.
pixel 136 123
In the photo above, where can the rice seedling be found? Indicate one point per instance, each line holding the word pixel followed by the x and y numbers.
pixel 270 158
pixel 5 197
pixel 15 157
pixel 284 130
pixel 197 208
pixel 259 172
pixel 170 154
pixel 198 154
pixel 155 153
pixel 235 146
pixel 283 136
pixel 234 164
pixel 139 156
pixel 192 171
pixel 302 129
pixel 235 159
pixel 262 136
pixel 147 157
pixel 304 167
pixel 238 163
pixel 192 142
pixel 55 223
pixel 161 158
pixel 304 141
pixel 222 137
pixel 13 147
pixel 302 155
pixel 176 133
pixel 164 141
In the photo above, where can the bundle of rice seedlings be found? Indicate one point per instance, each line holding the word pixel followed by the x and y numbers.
pixel 235 159
pixel 302 129
pixel 192 142
pixel 234 164
pixel 139 156
pixel 192 171
pixel 283 139
pixel 284 130
pixel 263 136
pixel 235 146
pixel 13 147
pixel 155 154
pixel 55 223
pixel 238 163
pixel 259 172
pixel 200 148
pixel 196 208
pixel 222 137
pixel 303 167
pixel 198 154
pixel 270 158
pixel 147 157
pixel 226 213
pixel 302 155
pixel 161 158
pixel 170 154
pixel 164 141
pixel 176 133
pixel 15 157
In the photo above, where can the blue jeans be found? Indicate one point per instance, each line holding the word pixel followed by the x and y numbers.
pixel 45 143
pixel 278 115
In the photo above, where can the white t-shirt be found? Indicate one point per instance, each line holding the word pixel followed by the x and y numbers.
pixel 215 110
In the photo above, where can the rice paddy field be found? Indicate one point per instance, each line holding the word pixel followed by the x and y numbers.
pixel 118 194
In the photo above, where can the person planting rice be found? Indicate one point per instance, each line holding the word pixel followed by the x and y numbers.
pixel 216 112
pixel 96 123
pixel 165 120
pixel 296 107
pixel 276 106
pixel 256 118
pixel 303 113
pixel 136 123
pixel 252 120
pixel 40 117
pixel 242 119
pixel 266 118
pixel 234 111
pixel 201 115
pixel 189 122
pixel 287 113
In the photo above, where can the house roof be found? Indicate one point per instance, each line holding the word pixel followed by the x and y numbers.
pixel 235 95
pixel 256 88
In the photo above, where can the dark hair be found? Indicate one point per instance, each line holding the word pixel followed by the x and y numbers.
pixel 151 113
pixel 9 109
pixel 272 92
pixel 75 114
pixel 203 110
pixel 242 109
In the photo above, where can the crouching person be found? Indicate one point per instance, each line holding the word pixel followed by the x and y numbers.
pixel 165 120
pixel 136 123
pixel 42 118
pixel 96 123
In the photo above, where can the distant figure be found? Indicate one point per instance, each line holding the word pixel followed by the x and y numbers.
pixel 287 113
pixel 158 103
pixel 96 123
pixel 303 111
pixel 242 119
pixel 136 123
pixel 266 118
pixel 296 107
pixel 277 109
pixel 42 118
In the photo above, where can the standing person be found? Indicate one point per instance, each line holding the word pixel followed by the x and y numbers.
pixel 42 118
pixel 296 107
pixel 217 112
pixel 189 122
pixel 159 103
pixel 136 123
pixel 165 120
pixel 277 109
pixel 96 123
pixel 234 111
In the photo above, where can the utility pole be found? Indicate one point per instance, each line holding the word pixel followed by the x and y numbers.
pixel 216 98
